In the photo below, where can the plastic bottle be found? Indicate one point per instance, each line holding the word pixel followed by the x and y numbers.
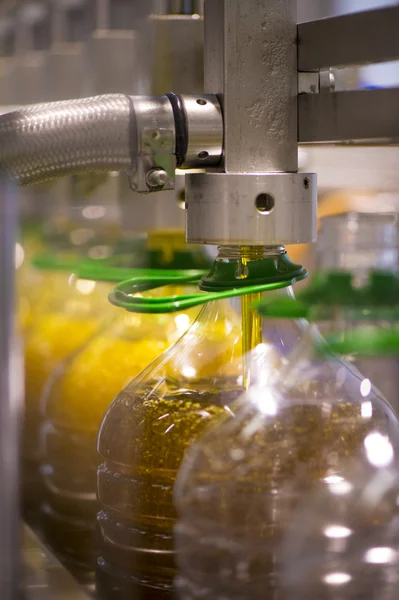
pixel 72 312
pixel 151 423
pixel 85 383
pixel 343 202
pixel 241 485
pixel 343 541
pixel 356 242
pixel 80 391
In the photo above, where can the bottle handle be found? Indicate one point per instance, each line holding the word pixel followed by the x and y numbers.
pixel 127 293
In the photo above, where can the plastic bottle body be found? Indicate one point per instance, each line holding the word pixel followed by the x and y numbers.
pixel 357 242
pixel 36 290
pixel 339 205
pixel 343 541
pixel 77 398
pixel 142 441
pixel 59 328
pixel 241 486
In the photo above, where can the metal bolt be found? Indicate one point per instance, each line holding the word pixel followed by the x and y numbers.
pixel 156 178
pixel 132 184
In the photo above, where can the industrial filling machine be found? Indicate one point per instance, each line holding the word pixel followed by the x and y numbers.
pixel 269 85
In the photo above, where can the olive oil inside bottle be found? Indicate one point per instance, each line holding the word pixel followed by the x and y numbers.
pixel 135 485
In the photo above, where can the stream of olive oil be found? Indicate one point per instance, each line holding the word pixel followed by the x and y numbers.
pixel 251 321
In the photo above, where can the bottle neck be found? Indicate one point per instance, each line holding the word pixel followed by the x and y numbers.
pixel 230 253
pixel 242 255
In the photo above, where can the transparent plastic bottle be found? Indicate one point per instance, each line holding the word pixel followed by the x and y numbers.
pixel 37 291
pixel 241 484
pixel 151 423
pixel 29 243
pixel 343 542
pixel 84 384
pixel 61 326
pixel 76 398
pixel 339 204
pixel 355 243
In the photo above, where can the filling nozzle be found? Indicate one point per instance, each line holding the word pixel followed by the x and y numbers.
pixel 257 196
pixel 148 137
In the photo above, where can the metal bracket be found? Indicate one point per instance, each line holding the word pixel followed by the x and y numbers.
pixel 155 162
pixel 155 137
pixel 326 81
pixel 308 83
pixel 153 145
pixel 314 82
pixel 355 116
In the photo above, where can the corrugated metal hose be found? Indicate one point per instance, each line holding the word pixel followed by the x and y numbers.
pixel 46 141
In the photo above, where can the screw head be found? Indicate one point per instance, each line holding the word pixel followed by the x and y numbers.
pixel 156 178
pixel 132 184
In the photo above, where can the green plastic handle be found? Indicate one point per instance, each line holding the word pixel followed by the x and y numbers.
pixel 366 341
pixel 123 296
pixel 334 291
pixel 120 274
pixel 54 262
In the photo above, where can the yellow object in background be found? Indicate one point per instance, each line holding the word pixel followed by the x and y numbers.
pixel 60 322
pixel 37 291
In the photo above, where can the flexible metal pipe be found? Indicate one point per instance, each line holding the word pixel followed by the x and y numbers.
pixel 46 141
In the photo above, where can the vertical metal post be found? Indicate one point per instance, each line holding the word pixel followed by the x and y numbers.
pixel 250 63
pixel 160 7
pixel 10 400
pixel 176 7
pixel 198 7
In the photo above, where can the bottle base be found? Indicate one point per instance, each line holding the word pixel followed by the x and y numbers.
pixel 32 494
pixel 115 586
pixel 73 541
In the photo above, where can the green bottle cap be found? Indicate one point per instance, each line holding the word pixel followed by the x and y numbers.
pixel 275 269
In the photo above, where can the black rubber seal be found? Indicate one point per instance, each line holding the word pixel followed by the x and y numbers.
pixel 181 127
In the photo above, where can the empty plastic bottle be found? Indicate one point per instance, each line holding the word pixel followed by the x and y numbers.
pixel 241 485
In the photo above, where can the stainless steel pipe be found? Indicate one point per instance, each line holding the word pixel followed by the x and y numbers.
pixel 46 141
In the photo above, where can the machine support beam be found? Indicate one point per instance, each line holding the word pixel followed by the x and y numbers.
pixel 355 39
pixel 361 116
